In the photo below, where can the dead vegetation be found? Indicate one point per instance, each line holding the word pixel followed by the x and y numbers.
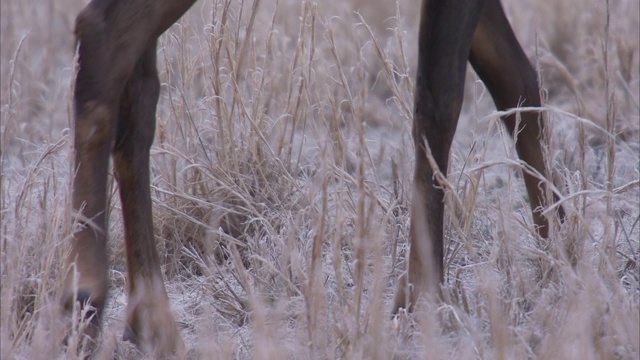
pixel 281 185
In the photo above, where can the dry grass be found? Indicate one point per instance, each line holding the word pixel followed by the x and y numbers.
pixel 281 173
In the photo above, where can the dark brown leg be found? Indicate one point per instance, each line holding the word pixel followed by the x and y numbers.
pixel 498 59
pixel 115 110
pixel 149 319
pixel 95 113
pixel 446 29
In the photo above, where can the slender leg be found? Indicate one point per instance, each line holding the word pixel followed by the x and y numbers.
pixel 446 29
pixel 498 59
pixel 117 37
pixel 149 319
pixel 95 113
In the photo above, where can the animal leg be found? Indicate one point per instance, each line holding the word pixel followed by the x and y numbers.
pixel 498 59
pixel 94 134
pixel 149 319
pixel 446 29
pixel 113 35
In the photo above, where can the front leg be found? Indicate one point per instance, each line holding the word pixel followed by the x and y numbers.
pixel 446 29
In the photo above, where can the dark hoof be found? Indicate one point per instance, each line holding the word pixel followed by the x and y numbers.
pixel 130 336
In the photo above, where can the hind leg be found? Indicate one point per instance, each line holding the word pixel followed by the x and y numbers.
pixel 149 319
pixel 498 59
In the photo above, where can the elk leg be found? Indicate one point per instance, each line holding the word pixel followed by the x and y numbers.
pixel 94 135
pixel 498 59
pixel 443 53
pixel 113 35
pixel 149 318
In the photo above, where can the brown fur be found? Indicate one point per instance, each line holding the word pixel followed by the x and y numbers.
pixel 115 99
pixel 450 34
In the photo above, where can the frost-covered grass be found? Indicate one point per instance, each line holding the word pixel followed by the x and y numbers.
pixel 296 137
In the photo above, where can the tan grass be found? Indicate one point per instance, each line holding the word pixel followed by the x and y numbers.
pixel 281 187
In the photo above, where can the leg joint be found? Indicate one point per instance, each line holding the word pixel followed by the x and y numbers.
pixel 94 126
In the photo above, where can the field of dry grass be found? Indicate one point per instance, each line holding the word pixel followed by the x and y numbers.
pixel 293 134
